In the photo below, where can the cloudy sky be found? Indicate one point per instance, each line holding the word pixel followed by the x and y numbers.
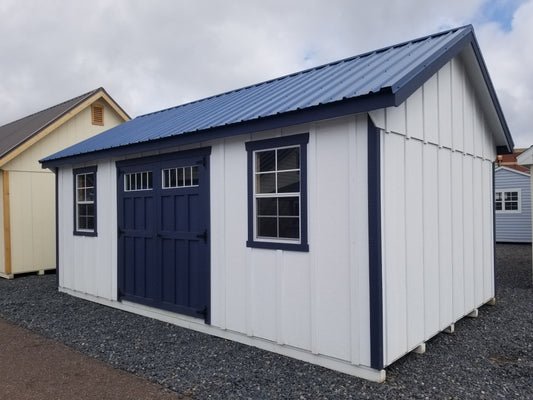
pixel 151 55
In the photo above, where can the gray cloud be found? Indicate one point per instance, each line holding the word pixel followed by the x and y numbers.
pixel 158 54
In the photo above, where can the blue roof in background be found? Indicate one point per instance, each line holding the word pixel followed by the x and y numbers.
pixel 377 79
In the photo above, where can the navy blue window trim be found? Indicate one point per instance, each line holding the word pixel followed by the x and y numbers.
pixel 92 231
pixel 374 247
pixel 300 140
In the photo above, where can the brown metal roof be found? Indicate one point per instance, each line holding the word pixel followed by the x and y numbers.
pixel 15 133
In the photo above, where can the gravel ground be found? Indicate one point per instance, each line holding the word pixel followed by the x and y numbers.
pixel 490 357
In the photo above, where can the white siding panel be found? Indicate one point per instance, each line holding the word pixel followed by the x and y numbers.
pixel 414 116
pixel 488 232
pixel 414 242
pixel 293 309
pixel 468 123
pixel 445 106
pixel 393 214
pixel 360 312
pixel 263 283
pixel 458 221
pixel 232 227
pixel 478 230
pixel 430 194
pixel 457 94
pixel 395 119
pixel 332 247
pixel 431 110
pixel 445 239
pixel 468 233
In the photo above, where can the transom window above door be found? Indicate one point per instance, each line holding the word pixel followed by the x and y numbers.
pixel 180 177
pixel 136 181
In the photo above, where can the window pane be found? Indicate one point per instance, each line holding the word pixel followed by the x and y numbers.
pixel 289 182
pixel 267 207
pixel 89 194
pixel 187 176
pixel 266 161
pixel 89 180
pixel 266 183
pixel 267 227
pixel 511 205
pixel 195 176
pixel 289 206
pixel 289 227
pixel 81 194
pixel 498 196
pixel 498 205
pixel 90 223
pixel 81 181
pixel 289 158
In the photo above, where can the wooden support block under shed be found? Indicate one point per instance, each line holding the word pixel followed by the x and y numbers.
pixel 473 314
pixel 421 349
pixel 492 302
pixel 450 329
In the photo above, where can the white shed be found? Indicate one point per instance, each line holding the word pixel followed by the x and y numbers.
pixel 341 215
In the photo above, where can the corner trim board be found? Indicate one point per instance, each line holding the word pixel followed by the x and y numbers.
pixel 7 222
pixel 374 247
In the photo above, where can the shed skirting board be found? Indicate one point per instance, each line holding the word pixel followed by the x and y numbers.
pixel 198 325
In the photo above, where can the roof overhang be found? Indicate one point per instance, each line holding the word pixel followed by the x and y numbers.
pixel 99 95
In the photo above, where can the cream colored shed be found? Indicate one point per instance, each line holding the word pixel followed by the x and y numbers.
pixel 27 204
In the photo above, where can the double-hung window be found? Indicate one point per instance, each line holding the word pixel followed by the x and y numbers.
pixel 85 201
pixel 508 201
pixel 277 193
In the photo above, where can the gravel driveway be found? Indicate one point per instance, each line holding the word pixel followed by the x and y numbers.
pixel 490 357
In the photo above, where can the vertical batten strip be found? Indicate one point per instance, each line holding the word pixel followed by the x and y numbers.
pixel 7 222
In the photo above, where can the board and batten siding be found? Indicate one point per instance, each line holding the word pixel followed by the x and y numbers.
pixel 437 204
pixel 514 226
pixel 309 305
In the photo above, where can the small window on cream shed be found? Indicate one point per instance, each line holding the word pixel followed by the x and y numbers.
pixel 97 114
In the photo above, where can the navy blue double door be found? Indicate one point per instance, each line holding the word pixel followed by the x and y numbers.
pixel 163 232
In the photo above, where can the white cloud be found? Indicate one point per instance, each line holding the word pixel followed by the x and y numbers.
pixel 158 54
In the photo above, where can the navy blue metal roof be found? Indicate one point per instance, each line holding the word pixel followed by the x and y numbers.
pixel 377 79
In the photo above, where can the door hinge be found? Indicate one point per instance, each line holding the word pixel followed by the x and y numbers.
pixel 203 311
pixel 203 236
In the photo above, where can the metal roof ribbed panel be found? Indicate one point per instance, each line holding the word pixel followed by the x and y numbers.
pixel 384 70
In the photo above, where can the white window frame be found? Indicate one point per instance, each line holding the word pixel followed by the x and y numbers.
pixel 257 196
pixel 519 201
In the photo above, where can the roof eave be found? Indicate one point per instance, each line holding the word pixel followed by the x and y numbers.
pixel 356 105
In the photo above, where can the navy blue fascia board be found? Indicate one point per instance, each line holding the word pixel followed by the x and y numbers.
pixel 409 84
pixel 374 247
pixel 280 141
pixel 492 92
pixel 325 111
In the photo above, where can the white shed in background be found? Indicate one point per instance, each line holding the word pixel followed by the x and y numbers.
pixel 341 215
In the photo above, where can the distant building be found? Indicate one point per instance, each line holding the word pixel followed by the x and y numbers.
pixel 27 204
